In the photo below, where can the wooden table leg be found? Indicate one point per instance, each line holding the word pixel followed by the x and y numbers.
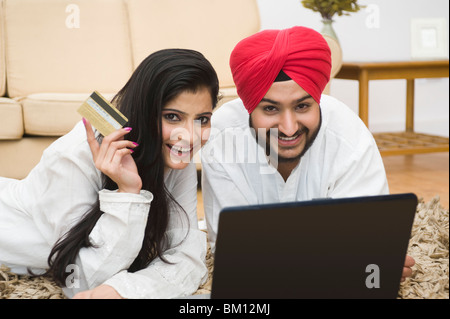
pixel 364 97
pixel 410 105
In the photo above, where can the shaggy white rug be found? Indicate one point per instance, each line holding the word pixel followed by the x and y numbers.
pixel 428 245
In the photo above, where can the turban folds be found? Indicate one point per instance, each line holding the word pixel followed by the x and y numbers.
pixel 302 53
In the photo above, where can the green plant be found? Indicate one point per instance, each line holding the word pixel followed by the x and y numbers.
pixel 328 8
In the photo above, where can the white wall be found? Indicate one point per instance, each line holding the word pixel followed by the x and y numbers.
pixel 388 39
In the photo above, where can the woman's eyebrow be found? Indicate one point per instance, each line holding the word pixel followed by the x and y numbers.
pixel 174 110
pixel 204 113
pixel 184 113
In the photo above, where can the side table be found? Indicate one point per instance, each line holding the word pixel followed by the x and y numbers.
pixel 407 142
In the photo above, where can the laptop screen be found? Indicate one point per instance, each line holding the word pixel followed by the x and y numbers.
pixel 333 248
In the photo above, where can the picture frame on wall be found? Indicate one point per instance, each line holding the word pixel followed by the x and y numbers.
pixel 429 39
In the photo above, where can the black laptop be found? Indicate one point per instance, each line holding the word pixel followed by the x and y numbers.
pixel 330 248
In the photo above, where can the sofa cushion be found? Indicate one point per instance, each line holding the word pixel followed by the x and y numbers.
pixel 2 54
pixel 212 27
pixel 11 123
pixel 66 46
pixel 52 114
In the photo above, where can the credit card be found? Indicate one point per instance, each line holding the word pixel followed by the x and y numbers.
pixel 102 114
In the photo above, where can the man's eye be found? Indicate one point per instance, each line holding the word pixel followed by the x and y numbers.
pixel 171 117
pixel 302 106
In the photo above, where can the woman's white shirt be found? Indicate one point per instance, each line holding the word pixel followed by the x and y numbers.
pixel 64 186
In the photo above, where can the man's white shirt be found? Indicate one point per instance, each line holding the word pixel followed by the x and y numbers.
pixel 343 161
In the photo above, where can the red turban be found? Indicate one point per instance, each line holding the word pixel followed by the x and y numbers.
pixel 302 53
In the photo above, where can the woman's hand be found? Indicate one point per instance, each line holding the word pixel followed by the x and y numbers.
pixel 100 292
pixel 113 158
pixel 407 271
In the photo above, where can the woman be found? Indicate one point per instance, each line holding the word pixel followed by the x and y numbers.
pixel 115 216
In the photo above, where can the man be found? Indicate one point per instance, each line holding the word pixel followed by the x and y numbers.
pixel 283 140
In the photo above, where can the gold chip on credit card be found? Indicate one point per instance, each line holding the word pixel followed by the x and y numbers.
pixel 102 114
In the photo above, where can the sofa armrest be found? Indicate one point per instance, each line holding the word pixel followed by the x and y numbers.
pixel 2 53
pixel 11 119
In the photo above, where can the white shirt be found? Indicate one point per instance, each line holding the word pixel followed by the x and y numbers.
pixel 343 161
pixel 36 211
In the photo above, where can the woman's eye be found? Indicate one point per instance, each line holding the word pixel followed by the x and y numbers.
pixel 204 120
pixel 171 117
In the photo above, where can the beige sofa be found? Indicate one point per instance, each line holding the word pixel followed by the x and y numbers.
pixel 54 53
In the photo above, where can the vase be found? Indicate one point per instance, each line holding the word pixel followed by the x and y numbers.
pixel 328 29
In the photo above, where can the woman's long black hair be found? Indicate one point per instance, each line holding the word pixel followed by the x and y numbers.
pixel 158 79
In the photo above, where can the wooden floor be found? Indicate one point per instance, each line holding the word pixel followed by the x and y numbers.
pixel 426 175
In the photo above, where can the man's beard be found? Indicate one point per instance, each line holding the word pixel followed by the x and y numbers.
pixel 309 142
